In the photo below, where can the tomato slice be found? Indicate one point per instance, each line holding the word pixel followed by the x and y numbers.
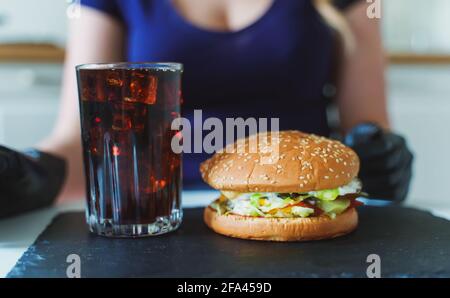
pixel 355 203
pixel 303 204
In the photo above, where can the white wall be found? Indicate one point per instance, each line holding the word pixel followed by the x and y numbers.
pixel 29 96
pixel 420 108
pixel 33 21
pixel 417 25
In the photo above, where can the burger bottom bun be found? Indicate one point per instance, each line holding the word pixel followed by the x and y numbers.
pixel 281 229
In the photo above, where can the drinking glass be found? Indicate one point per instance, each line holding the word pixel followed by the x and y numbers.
pixel 133 177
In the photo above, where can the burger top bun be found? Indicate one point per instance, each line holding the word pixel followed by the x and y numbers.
pixel 285 161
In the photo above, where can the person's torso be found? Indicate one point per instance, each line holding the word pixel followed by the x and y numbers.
pixel 276 67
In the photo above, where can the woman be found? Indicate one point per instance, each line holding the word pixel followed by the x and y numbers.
pixel 253 58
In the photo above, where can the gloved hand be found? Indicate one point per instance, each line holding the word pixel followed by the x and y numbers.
pixel 386 161
pixel 28 180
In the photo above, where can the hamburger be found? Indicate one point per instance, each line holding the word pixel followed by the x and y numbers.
pixel 307 190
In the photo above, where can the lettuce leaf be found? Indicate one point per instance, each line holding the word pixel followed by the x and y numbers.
pixel 326 195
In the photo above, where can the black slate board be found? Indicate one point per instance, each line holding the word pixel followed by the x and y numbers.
pixel 411 243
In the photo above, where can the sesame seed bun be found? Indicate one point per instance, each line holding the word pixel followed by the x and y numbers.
pixel 293 161
pixel 281 229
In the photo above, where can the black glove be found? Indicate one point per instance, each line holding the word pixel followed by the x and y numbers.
pixel 29 180
pixel 386 161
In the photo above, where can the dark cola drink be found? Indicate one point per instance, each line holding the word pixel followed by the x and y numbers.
pixel 133 177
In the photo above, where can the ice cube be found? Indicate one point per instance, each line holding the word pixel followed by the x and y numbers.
pixel 92 89
pixel 114 83
pixel 113 79
pixel 142 88
pixel 128 115
pixel 121 121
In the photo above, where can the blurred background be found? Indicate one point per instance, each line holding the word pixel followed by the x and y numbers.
pixel 417 41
